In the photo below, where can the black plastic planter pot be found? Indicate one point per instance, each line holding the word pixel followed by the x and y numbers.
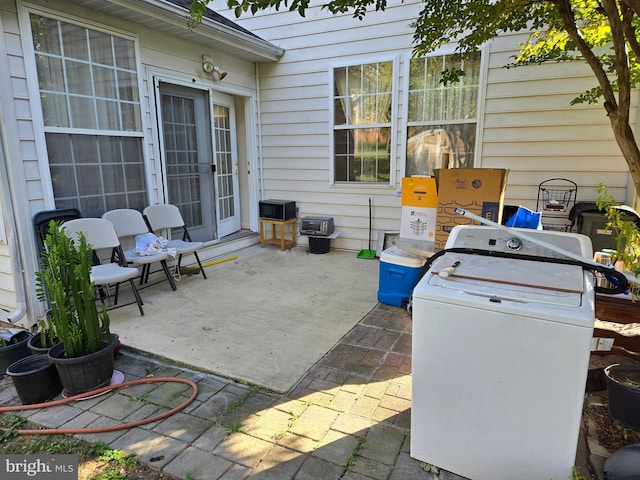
pixel 36 347
pixel 85 373
pixel 35 378
pixel 623 389
pixel 14 351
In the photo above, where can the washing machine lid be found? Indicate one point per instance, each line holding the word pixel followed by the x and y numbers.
pixel 510 279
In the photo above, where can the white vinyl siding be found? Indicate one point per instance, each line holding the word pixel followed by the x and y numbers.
pixel 525 121
pixel 7 287
pixel 296 117
pixel 20 146
pixel 531 128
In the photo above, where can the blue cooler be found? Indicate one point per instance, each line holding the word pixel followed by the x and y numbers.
pixel 399 272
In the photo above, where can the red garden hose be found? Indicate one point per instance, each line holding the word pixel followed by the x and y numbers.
pixel 112 428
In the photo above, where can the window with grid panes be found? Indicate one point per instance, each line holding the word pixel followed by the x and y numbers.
pixel 88 85
pixel 442 117
pixel 362 104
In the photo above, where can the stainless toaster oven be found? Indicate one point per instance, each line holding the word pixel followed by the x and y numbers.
pixel 320 226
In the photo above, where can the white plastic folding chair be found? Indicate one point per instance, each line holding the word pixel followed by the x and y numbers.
pixel 101 235
pixel 163 218
pixel 129 223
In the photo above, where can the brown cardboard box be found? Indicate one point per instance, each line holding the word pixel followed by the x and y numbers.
pixel 478 190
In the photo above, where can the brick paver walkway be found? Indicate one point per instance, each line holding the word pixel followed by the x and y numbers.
pixel 347 418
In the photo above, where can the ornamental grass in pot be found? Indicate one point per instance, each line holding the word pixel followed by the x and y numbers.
pixel 84 354
pixel 45 338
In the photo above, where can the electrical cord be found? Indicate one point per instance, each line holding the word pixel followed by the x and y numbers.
pixel 618 279
pixel 111 428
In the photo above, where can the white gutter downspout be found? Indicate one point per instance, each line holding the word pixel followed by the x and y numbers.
pixel 259 132
pixel 14 252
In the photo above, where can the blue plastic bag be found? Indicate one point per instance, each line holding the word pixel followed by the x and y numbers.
pixel 525 218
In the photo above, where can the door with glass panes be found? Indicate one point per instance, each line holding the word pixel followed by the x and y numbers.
pixel 226 154
pixel 199 159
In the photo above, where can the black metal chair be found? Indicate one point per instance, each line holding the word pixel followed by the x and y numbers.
pixel 41 221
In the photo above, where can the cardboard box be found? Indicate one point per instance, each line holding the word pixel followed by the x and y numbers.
pixel 477 190
pixel 419 205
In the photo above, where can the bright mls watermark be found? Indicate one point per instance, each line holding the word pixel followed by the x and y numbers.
pixel 49 467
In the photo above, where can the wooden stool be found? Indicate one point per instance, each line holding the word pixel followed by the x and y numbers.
pixel 278 238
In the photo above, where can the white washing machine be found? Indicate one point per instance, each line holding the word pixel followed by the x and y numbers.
pixel 500 356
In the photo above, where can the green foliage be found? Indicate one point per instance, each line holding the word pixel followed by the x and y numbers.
pixel 235 427
pixel 48 336
pixel 238 403
pixel 64 281
pixel 12 423
pixel 627 233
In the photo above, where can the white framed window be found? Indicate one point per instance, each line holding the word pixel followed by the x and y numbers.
pixel 89 94
pixel 442 117
pixel 363 104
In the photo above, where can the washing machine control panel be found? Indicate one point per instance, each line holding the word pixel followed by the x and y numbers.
pixel 513 244
pixel 494 239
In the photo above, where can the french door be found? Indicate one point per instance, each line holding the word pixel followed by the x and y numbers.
pixel 226 155
pixel 199 159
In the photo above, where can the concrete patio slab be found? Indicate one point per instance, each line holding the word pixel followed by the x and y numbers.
pixel 264 317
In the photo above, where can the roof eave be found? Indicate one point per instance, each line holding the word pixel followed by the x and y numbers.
pixel 257 49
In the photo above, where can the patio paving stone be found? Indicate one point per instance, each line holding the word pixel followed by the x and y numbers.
pixel 383 444
pixel 105 437
pixel 153 448
pixel 279 463
pixel 55 417
pixel 270 426
pixel 336 447
pixel 298 443
pixel 117 406
pixel 236 472
pixel 243 449
pixel 314 422
pixel 183 427
pixel 370 468
pixel 196 463
pixel 211 438
pixel 315 468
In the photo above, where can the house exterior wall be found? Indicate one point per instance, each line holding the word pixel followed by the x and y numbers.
pixel 170 58
pixel 526 123
pixel 16 179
